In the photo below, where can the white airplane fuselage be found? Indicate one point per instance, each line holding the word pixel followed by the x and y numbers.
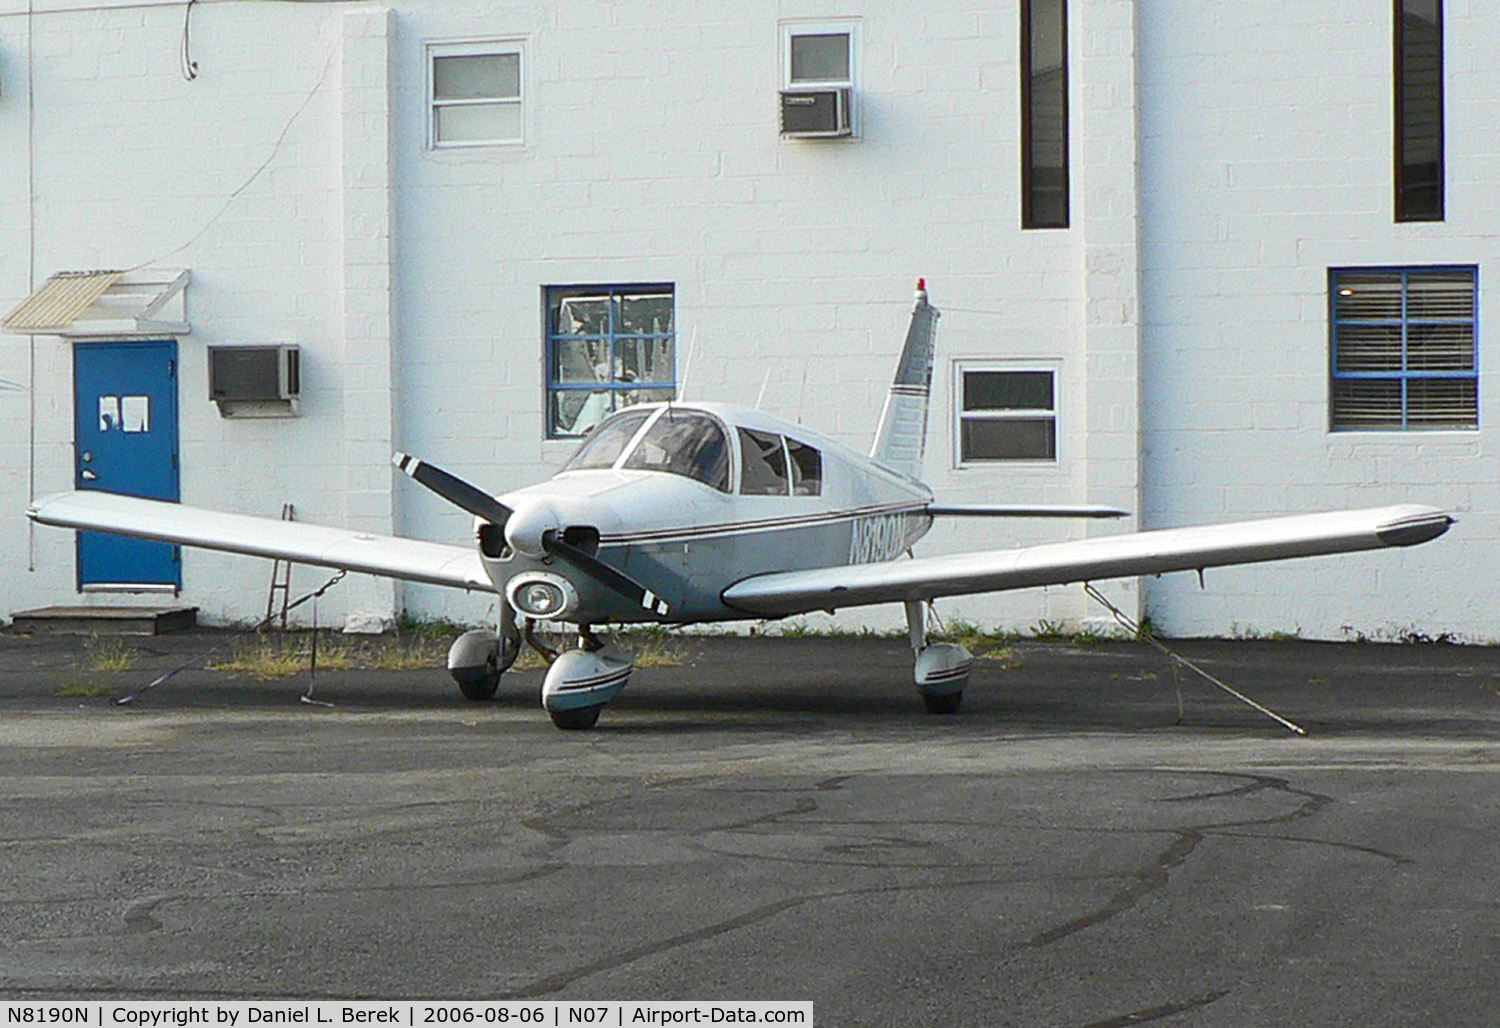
pixel 688 540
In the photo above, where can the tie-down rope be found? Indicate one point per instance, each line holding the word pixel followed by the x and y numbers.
pixel 1141 633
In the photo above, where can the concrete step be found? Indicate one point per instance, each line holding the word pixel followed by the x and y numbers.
pixel 105 620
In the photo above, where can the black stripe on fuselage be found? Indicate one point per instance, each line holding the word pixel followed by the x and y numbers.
pixel 667 535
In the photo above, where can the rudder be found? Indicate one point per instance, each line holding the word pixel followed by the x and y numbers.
pixel 902 436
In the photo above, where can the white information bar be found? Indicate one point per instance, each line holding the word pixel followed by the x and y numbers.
pixel 408 1013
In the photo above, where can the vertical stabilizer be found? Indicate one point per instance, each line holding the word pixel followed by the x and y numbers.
pixel 902 435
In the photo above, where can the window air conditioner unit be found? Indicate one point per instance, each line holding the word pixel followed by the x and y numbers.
pixel 815 113
pixel 255 381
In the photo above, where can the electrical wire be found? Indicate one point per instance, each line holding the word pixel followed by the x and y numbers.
pixel 275 149
pixel 185 56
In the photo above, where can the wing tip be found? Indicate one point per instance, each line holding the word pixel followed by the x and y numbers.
pixel 1414 529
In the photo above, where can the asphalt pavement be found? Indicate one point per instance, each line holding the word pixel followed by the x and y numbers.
pixel 1097 839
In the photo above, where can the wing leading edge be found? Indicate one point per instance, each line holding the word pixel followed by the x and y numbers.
pixel 415 560
pixel 1119 556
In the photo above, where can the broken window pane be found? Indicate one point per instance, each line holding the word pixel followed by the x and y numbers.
pixel 619 337
pixel 644 360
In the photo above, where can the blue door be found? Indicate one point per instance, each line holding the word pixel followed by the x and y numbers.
pixel 125 410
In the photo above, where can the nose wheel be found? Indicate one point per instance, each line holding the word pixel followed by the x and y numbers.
pixel 578 718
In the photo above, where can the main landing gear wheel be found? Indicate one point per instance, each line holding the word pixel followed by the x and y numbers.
pixel 947 703
pixel 475 662
pixel 577 718
pixel 479 685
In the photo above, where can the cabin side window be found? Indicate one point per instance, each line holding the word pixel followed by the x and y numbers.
pixel 773 466
pixel 807 469
pixel 762 464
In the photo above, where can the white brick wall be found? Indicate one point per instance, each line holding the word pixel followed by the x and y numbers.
pixel 1266 159
pixel 1223 156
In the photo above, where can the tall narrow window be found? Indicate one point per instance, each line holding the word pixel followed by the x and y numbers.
pixel 1405 350
pixel 1044 114
pixel 1419 110
pixel 607 347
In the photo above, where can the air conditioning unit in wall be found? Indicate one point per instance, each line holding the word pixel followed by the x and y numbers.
pixel 816 113
pixel 255 381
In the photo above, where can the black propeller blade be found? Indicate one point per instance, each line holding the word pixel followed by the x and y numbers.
pixel 454 489
pixel 603 573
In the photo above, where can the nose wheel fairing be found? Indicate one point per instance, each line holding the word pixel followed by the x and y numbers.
pixel 581 681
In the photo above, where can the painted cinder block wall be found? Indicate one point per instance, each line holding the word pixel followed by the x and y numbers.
pixel 1266 159
pixel 413 279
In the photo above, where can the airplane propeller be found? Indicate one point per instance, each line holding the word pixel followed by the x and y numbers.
pixel 603 573
pixel 482 505
pixel 455 490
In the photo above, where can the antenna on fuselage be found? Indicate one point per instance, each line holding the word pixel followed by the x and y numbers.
pixel 765 380
pixel 687 365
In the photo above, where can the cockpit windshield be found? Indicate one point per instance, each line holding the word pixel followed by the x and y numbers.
pixel 608 440
pixel 684 442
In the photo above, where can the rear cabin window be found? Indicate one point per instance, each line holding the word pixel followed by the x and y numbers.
pixel 772 466
pixel 685 443
pixel 807 469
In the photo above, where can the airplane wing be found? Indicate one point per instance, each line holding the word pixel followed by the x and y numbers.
pixel 1118 556
pixel 412 559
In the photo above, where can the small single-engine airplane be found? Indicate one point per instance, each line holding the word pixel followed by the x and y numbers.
pixel 680 513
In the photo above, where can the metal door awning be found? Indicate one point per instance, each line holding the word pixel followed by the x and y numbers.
pixel 105 303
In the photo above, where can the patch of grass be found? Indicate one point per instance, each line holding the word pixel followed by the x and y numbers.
pixel 84 689
pixel 1007 657
pixel 973 638
pixel 1050 631
pixel 433 628
pixel 281 656
pixel 655 650
pixel 652 647
pixel 108 655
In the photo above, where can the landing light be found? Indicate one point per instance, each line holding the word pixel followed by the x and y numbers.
pixel 541 595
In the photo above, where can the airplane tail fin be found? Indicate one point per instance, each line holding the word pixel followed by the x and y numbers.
pixel 902 435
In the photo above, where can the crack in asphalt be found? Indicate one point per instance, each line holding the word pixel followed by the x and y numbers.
pixel 1142 881
pixel 1164 1010
pixel 1150 877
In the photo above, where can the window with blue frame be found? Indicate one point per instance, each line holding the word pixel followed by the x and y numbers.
pixel 1404 347
pixel 607 347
